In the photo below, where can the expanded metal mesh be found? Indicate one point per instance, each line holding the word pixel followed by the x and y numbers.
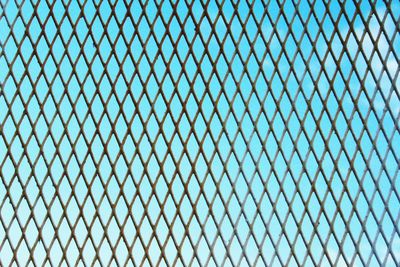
pixel 199 133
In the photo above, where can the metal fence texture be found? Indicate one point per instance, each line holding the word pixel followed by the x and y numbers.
pixel 211 133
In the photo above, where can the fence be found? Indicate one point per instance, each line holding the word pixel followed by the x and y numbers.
pixel 225 133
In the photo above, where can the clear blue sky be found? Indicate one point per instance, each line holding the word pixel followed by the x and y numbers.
pixel 272 141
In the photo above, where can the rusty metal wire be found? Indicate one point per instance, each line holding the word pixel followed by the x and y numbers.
pixel 228 133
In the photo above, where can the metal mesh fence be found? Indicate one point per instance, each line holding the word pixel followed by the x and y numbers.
pixel 226 133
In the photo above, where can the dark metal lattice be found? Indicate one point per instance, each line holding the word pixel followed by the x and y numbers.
pixel 225 133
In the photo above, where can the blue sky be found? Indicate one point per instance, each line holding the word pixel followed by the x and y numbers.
pixel 175 126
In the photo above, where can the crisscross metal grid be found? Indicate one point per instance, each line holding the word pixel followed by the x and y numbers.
pixel 225 133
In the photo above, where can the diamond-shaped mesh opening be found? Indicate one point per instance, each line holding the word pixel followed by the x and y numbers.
pixel 227 133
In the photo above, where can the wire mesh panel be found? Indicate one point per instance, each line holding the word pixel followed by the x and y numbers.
pixel 229 133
